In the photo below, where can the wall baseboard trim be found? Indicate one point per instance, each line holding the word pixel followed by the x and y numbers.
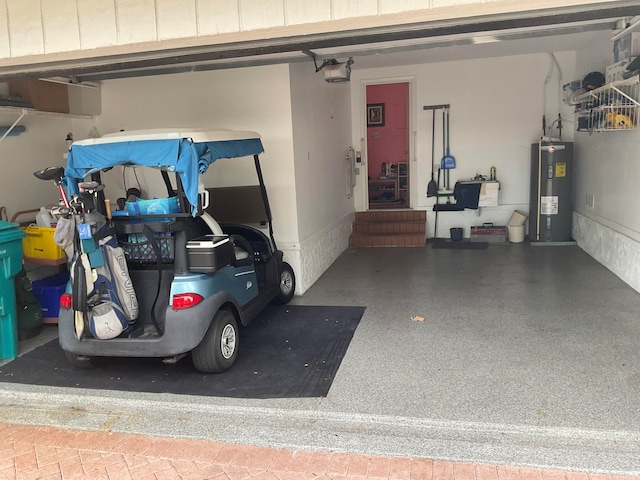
pixel 313 255
pixel 321 249
pixel 615 251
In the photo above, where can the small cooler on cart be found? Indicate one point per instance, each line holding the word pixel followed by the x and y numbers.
pixel 210 253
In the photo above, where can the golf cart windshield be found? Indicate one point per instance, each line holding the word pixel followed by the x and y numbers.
pixel 185 152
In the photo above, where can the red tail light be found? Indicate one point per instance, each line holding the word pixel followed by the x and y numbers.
pixel 66 301
pixel 186 300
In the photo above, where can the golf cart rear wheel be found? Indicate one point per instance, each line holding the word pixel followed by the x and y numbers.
pixel 287 285
pixel 219 348
pixel 79 361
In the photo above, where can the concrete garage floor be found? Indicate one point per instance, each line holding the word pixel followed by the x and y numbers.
pixel 527 356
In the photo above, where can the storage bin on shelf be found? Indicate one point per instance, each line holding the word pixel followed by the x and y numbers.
pixel 612 107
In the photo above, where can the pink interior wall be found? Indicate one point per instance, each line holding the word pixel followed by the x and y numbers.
pixel 389 142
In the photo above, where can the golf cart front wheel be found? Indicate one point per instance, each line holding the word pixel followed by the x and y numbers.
pixel 287 285
pixel 219 348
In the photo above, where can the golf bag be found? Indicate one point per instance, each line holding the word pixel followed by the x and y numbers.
pixel 104 299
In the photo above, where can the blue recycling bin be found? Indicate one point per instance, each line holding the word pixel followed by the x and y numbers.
pixel 11 236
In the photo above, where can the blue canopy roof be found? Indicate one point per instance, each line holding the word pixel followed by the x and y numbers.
pixel 187 153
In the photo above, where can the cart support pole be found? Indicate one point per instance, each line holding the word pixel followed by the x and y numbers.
pixel 265 199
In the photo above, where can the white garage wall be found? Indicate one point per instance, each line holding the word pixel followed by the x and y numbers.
pixel 321 118
pixel 305 127
pixel 312 220
pixel 608 167
pixel 42 145
pixel 255 99
pixel 496 113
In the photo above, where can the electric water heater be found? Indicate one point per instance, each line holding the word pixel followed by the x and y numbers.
pixel 550 207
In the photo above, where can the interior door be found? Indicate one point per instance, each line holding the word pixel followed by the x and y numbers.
pixel 388 145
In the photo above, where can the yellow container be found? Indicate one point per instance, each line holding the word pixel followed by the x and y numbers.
pixel 39 244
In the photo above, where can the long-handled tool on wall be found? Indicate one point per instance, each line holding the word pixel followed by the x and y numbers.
pixel 448 161
pixel 432 187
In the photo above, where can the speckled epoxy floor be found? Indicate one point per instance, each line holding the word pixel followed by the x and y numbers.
pixel 542 336
pixel 526 356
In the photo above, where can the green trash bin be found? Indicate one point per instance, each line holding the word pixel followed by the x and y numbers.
pixel 10 264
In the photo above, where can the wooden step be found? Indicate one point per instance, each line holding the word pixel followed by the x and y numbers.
pixel 391 216
pixel 373 228
pixel 389 228
pixel 381 240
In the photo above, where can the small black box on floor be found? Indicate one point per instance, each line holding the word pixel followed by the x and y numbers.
pixel 209 253
pixel 489 233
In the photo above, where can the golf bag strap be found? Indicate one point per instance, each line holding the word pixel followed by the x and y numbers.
pixel 104 232
pixel 79 286
pixel 156 248
pixel 79 291
pixel 167 182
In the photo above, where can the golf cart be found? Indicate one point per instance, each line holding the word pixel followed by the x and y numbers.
pixel 193 278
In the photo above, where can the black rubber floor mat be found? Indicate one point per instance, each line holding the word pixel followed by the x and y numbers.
pixel 287 352
pixel 461 245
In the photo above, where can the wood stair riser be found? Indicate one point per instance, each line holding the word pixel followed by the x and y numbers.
pixel 386 241
pixel 391 216
pixel 389 228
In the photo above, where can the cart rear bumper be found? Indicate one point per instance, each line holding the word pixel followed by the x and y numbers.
pixel 184 329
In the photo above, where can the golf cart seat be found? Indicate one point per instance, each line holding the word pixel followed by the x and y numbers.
pixel 241 248
pixel 242 205
pixel 239 205
pixel 242 251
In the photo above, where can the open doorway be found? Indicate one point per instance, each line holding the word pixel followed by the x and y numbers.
pixel 388 166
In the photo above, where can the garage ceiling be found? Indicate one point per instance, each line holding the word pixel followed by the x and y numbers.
pixel 475 37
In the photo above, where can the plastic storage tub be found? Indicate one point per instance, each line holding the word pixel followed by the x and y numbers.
pixel 39 245
pixel 48 292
